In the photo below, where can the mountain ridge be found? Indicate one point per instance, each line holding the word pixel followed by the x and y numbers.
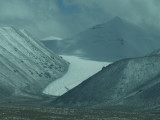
pixel 111 41
pixel 28 66
pixel 126 84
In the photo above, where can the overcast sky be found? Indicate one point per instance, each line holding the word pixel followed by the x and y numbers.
pixel 65 18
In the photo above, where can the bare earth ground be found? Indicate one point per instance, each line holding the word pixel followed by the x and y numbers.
pixel 25 108
pixel 49 113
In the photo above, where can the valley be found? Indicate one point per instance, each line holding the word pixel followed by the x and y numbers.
pixel 79 70
pixel 79 60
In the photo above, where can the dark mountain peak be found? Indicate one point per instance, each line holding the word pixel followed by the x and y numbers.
pixel 116 20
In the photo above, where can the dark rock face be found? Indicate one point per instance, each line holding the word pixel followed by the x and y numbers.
pixel 26 66
pixel 54 45
pixel 126 83
pixel 117 39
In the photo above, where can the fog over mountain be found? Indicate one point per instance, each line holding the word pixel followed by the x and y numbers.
pixel 79 59
pixel 109 41
pixel 66 18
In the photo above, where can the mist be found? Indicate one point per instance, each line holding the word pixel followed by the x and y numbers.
pixel 64 19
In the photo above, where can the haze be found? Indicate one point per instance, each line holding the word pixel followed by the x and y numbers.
pixel 65 18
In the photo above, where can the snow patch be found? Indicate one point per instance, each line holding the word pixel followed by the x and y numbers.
pixel 51 38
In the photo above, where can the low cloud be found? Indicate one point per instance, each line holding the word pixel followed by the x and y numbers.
pixel 66 18
pixel 143 12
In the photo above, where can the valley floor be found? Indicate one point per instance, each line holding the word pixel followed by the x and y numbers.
pixel 48 113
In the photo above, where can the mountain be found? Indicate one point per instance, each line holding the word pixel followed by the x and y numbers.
pixel 54 45
pixel 110 41
pixel 27 66
pixel 126 84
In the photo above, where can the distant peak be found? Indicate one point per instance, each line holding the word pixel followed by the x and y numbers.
pixel 116 19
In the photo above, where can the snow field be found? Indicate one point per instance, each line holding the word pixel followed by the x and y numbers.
pixel 79 71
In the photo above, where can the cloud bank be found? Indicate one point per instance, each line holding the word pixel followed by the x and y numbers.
pixel 66 18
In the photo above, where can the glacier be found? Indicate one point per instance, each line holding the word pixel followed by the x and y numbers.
pixel 79 70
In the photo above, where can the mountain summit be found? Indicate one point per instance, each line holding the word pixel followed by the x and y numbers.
pixel 110 41
pixel 115 20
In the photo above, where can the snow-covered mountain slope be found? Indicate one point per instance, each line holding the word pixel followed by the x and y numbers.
pixel 26 65
pixel 79 70
pixel 126 83
pixel 111 41
pixel 51 38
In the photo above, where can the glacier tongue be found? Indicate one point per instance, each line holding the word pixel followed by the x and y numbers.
pixel 26 65
pixel 79 70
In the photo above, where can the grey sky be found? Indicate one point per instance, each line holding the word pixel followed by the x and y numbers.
pixel 65 18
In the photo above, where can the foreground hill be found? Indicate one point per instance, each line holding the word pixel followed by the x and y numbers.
pixel 26 65
pixel 129 83
pixel 110 41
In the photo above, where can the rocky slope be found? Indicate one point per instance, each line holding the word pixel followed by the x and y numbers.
pixel 129 83
pixel 110 41
pixel 26 65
